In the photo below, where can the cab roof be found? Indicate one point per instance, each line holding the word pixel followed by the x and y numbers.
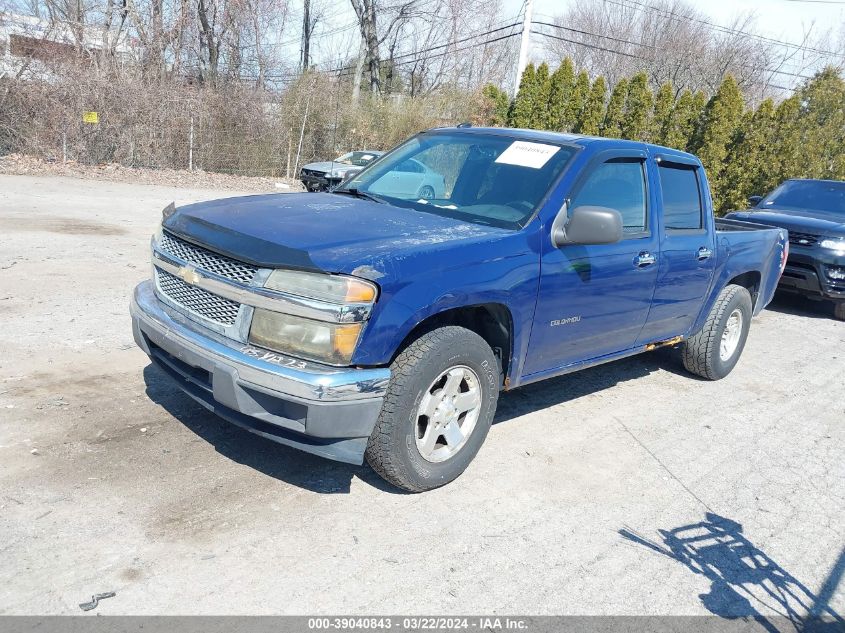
pixel 572 139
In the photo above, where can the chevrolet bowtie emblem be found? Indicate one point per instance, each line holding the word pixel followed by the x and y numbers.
pixel 189 275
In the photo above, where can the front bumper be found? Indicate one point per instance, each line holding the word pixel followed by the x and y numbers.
pixel 318 182
pixel 808 274
pixel 328 411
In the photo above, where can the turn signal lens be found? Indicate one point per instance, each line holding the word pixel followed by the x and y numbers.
pixel 321 286
pixel 359 291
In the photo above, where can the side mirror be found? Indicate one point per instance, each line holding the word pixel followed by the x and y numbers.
pixel 587 225
pixel 754 200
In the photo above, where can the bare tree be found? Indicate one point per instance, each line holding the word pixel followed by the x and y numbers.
pixel 672 41
pixel 370 13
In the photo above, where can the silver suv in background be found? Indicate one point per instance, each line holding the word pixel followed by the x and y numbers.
pixel 325 175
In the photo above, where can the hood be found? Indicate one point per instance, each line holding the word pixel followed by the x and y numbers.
pixel 797 220
pixel 321 231
pixel 327 166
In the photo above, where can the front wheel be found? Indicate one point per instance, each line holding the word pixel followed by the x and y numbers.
pixel 839 311
pixel 439 406
pixel 715 350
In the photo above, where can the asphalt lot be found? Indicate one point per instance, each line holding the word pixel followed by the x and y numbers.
pixel 631 488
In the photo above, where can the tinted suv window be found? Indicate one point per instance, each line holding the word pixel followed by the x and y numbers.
pixel 617 184
pixel 682 207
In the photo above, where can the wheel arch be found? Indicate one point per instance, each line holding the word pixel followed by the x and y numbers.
pixel 491 321
pixel 751 281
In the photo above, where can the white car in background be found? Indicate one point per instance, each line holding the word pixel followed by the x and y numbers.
pixel 410 180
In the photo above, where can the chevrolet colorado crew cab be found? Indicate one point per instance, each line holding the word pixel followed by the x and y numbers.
pixel 373 323
pixel 813 211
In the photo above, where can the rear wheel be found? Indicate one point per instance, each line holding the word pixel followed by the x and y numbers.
pixel 427 193
pixel 715 350
pixel 839 311
pixel 439 406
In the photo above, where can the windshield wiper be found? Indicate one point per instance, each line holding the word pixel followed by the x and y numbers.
pixel 363 195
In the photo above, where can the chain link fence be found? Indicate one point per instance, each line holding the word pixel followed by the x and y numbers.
pixel 233 129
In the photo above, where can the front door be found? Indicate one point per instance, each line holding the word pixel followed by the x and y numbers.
pixel 594 299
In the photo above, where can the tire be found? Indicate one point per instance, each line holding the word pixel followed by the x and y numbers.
pixel 839 311
pixel 427 193
pixel 703 353
pixel 401 448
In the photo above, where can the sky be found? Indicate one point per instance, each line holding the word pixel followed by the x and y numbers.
pixel 784 20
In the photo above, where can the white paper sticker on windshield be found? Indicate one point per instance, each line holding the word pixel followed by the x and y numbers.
pixel 527 154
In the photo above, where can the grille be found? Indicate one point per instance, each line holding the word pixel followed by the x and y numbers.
pixel 202 302
pixel 802 239
pixel 205 259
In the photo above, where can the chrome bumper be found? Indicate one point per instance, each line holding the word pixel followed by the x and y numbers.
pixel 325 410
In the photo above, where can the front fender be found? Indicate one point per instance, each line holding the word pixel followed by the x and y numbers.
pixel 425 287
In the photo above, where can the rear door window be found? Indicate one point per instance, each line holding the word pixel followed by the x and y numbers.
pixel 682 205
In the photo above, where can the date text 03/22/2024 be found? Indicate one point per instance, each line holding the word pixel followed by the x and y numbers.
pixel 420 623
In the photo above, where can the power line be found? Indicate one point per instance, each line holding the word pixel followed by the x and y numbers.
pixel 419 52
pixel 606 37
pixel 650 59
pixel 642 6
pixel 460 41
pixel 438 55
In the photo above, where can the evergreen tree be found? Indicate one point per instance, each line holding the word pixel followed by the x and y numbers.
pixel 590 120
pixel 561 85
pixel 681 124
pixel 699 107
pixel 523 106
pixel 721 119
pixel 638 104
pixel 744 172
pixel 786 159
pixel 540 109
pixel 578 99
pixel 661 118
pixel 612 125
pixel 495 105
pixel 823 122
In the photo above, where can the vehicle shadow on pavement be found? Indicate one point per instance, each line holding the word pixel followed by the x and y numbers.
pixel 744 581
pixel 554 391
pixel 789 303
pixel 275 460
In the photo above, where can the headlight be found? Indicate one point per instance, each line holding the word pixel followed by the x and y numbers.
pixel 332 288
pixel 836 273
pixel 834 245
pixel 332 343
pixel 327 342
pixel 337 173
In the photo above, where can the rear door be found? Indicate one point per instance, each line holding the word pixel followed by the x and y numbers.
pixel 594 299
pixel 687 249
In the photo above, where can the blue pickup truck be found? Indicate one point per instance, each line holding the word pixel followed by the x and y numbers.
pixel 372 322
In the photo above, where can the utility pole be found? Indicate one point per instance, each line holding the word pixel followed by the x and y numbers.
pixel 307 30
pixel 524 46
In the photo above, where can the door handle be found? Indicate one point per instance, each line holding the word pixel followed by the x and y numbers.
pixel 644 259
pixel 703 253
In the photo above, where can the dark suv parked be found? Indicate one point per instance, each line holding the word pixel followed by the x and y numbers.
pixel 813 211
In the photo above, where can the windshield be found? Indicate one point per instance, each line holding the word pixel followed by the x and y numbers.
pixel 359 159
pixel 481 178
pixel 815 195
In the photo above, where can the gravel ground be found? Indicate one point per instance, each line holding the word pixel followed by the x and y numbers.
pixel 583 500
